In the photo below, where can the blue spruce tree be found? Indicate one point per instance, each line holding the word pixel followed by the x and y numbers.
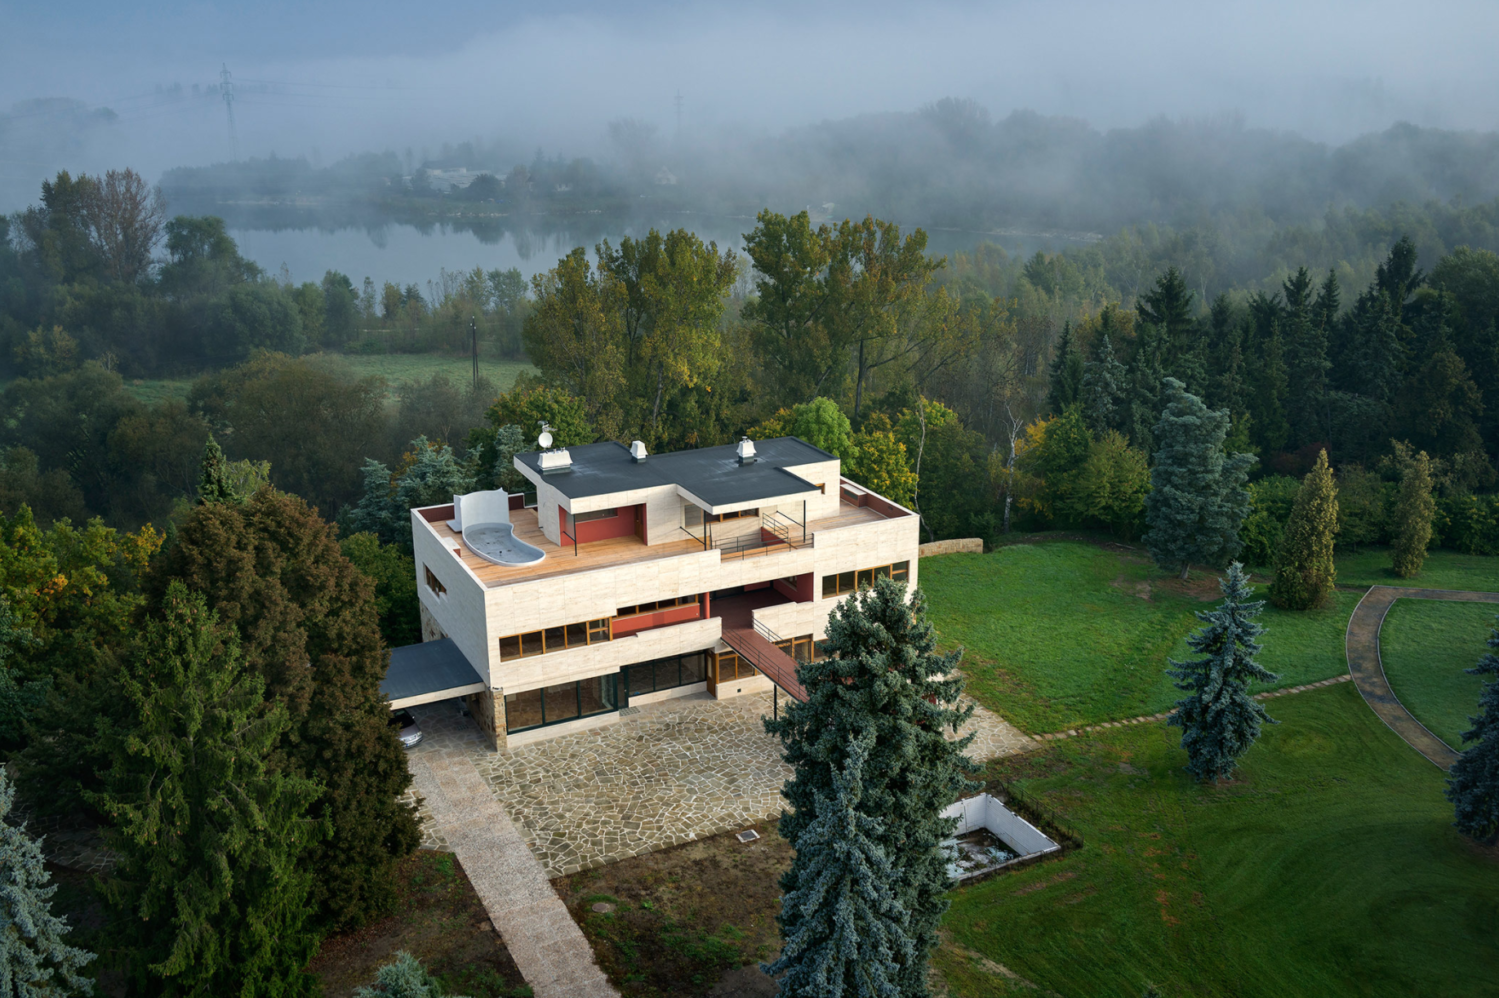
pixel 1197 498
pixel 1219 719
pixel 846 934
pixel 1473 781
pixel 883 678
pixel 34 961
pixel 403 977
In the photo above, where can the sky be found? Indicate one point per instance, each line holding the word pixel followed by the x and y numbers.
pixel 324 78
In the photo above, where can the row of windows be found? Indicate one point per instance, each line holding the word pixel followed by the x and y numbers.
pixel 801 649
pixel 660 604
pixel 563 702
pixel 434 584
pixel 665 673
pixel 525 645
pixel 732 667
pixel 847 582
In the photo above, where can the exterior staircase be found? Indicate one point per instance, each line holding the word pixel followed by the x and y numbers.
pixel 773 663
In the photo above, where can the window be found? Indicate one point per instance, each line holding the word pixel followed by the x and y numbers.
pixel 736 515
pixel 435 584
pixel 801 649
pixel 553 639
pixel 664 673
pixel 847 582
pixel 598 514
pixel 563 702
pixel 663 604
pixel 732 667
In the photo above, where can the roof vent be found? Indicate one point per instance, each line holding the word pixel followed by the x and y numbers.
pixel 746 451
pixel 638 452
pixel 556 460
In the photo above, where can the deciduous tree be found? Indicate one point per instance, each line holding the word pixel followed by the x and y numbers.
pixel 1220 721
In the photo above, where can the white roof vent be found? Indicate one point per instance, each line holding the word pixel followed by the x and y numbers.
pixel 556 460
pixel 746 450
pixel 638 451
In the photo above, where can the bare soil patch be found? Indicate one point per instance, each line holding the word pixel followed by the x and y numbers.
pixel 688 921
pixel 438 919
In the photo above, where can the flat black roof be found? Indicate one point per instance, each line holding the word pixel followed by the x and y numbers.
pixel 713 474
pixel 430 667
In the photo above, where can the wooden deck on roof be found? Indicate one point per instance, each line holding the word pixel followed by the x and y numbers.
pixel 611 552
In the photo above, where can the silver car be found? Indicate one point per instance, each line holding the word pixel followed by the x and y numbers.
pixel 406 728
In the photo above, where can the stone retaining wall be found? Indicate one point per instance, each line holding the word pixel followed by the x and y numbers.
pixel 960 545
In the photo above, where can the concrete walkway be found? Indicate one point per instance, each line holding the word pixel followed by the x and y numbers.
pixel 1367 669
pixel 543 940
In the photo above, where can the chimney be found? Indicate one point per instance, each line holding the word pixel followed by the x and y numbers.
pixel 746 451
pixel 638 452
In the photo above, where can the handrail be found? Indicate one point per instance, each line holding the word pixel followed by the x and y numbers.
pixel 765 632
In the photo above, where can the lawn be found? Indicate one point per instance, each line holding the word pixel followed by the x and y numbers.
pixel 1328 867
pixel 396 368
pixel 1443 570
pixel 1425 645
pixel 1062 633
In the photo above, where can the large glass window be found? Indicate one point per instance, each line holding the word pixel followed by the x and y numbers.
pixel 665 673
pixel 563 702
pixel 847 582
pixel 732 667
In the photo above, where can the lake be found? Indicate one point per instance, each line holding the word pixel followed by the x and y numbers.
pixel 405 254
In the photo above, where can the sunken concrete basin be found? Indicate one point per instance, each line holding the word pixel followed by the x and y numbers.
pixel 989 837
pixel 483 518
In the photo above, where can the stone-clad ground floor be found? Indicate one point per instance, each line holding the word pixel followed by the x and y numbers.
pixel 672 772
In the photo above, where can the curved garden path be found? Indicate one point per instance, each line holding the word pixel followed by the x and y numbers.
pixel 1368 671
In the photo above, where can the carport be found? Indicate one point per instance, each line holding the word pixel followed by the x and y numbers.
pixel 430 671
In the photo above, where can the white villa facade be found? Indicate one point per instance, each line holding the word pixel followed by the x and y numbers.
pixel 637 577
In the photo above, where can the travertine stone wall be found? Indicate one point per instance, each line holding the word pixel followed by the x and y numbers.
pixel 958 545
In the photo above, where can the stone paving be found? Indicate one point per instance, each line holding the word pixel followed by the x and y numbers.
pixel 546 944
pixel 668 773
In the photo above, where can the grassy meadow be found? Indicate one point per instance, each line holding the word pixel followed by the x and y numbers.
pixel 1425 645
pixel 396 368
pixel 1327 867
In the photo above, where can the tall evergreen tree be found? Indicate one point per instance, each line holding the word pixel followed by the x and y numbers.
pixel 1168 307
pixel 208 892
pixel 1197 499
pixel 1305 342
pixel 1414 509
pixel 1328 304
pixel 1304 569
pixel 1268 382
pixel 429 475
pixel 1473 780
pixel 883 678
pixel 1103 388
pixel 35 962
pixel 272 568
pixel 1142 405
pixel 1066 372
pixel 845 930
pixel 1219 719
pixel 213 481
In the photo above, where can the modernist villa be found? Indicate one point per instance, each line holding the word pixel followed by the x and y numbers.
pixel 635 577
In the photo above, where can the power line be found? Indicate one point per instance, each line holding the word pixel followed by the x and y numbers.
pixel 226 87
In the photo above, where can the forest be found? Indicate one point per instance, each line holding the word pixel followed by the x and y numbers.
pixel 992 391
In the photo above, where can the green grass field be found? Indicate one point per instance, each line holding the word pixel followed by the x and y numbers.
pixel 1443 570
pixel 1329 867
pixel 395 368
pixel 1425 645
pixel 1064 633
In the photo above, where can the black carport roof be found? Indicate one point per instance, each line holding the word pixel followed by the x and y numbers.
pixel 432 670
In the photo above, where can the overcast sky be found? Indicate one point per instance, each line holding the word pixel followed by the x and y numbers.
pixel 328 78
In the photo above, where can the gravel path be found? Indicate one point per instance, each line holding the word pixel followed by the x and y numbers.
pixel 1367 669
